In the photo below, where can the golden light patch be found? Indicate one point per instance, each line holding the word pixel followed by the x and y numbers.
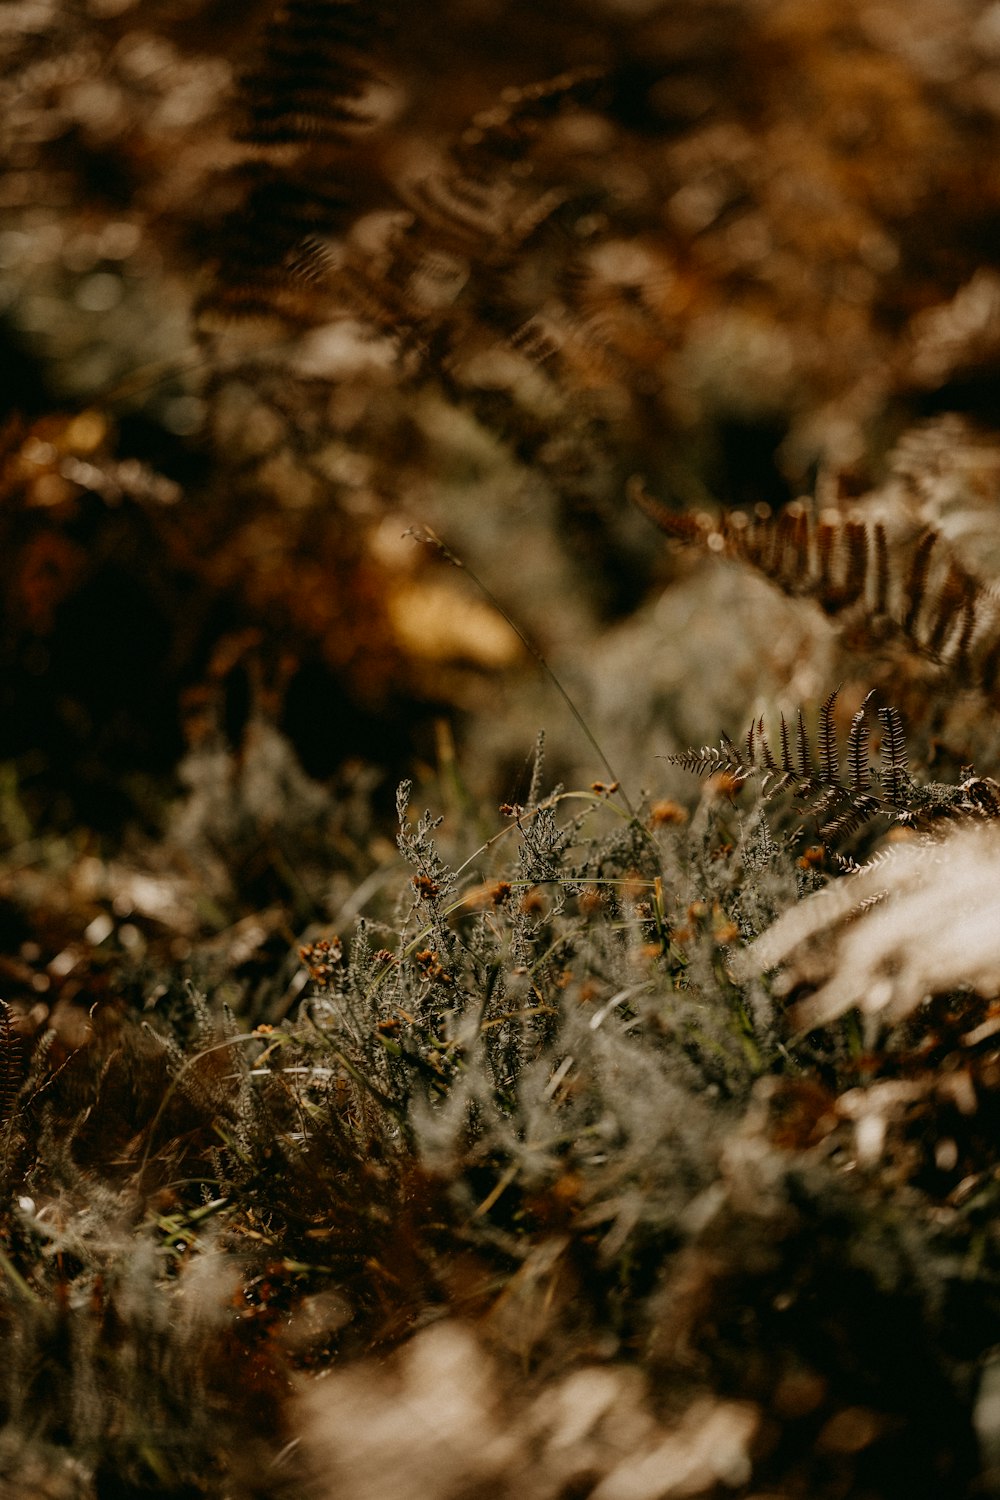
pixel 433 621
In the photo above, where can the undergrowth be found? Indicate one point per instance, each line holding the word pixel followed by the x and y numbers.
pixel 537 1089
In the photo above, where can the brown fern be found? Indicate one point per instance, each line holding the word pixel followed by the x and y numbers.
pixel 11 1063
pixel 911 589
pixel 469 217
pixel 313 74
pixel 299 112
pixel 839 807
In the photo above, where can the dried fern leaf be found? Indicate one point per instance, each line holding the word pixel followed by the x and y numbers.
pixel 858 767
pixel 11 1062
pixel 916 582
pixel 840 808
pixel 765 755
pixel 708 761
pixel 854 817
pixel 923 922
pixel 829 764
pixel 916 588
pixel 894 765
pixel 313 74
pixel 306 95
pixel 880 592
pixel 805 765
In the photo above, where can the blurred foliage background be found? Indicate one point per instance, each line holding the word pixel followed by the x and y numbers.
pixel 277 286
pixel 288 290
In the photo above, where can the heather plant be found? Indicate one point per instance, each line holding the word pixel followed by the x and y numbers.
pixel 541 1088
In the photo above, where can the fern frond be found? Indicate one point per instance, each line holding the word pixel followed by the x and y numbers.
pixel 828 799
pixel 829 765
pixel 11 1063
pixel 848 866
pixel 503 129
pixel 313 74
pixel 839 808
pixel 710 761
pixel 894 770
pixel 805 765
pixel 916 580
pixel 764 752
pixel 472 203
pixel 880 592
pixel 270 252
pixel 858 767
pixel 459 211
pixel 680 526
pixel 920 922
pixel 914 588
pixel 854 817
pixel 953 607
pixel 842 557
pixel 305 95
